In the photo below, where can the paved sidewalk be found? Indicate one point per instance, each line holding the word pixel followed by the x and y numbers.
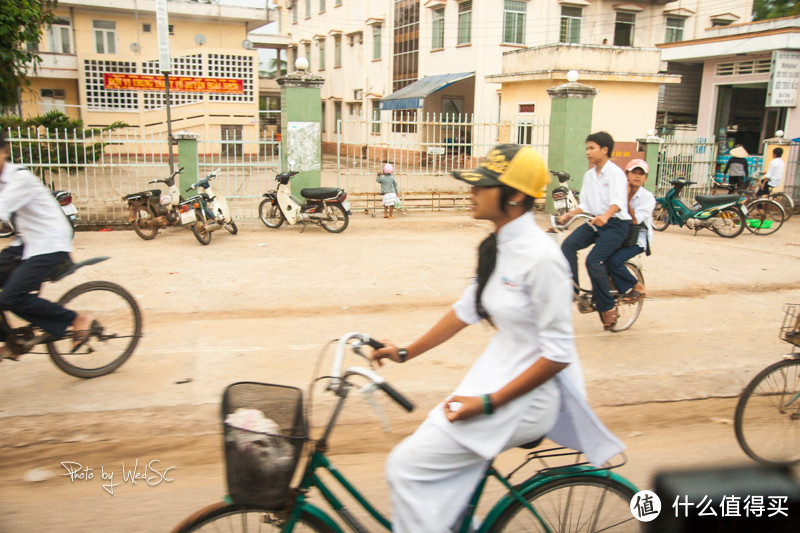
pixel 260 306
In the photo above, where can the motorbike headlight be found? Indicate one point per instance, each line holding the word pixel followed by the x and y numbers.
pixel 166 200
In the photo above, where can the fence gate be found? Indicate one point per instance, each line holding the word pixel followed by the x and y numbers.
pixel 423 152
pixel 690 158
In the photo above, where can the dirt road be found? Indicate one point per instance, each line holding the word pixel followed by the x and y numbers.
pixel 261 305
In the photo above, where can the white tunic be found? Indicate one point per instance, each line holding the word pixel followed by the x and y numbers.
pixel 604 189
pixel 38 219
pixel 529 297
pixel 643 203
pixel 775 172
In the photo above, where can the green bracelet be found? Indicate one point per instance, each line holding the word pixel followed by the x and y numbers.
pixel 488 408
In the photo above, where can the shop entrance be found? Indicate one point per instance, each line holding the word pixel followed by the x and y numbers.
pixel 740 116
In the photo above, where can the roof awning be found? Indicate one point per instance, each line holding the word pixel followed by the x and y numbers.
pixel 412 96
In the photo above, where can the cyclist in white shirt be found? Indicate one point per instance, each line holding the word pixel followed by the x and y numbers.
pixel 604 194
pixel 43 243
pixel 641 203
pixel 527 383
pixel 774 175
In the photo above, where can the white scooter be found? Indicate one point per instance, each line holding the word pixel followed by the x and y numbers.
pixel 206 211
pixel 564 197
pixel 325 206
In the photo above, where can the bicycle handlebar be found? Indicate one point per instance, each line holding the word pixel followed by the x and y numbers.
pixel 584 216
pixel 339 376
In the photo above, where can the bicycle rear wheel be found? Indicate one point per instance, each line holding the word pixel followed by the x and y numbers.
pixel 764 217
pixel 627 313
pixel 575 503
pixel 767 420
pixel 786 203
pixel 233 518
pixel 115 332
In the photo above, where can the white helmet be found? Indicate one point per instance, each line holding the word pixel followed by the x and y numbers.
pixel 388 169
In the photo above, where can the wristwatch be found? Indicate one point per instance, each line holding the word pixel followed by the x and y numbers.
pixel 403 353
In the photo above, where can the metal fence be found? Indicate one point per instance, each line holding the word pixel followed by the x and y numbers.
pixel 100 167
pixel 690 158
pixel 423 152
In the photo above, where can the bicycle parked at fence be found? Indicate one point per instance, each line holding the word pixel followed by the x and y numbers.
pixel 260 466
pixel 113 335
pixel 751 185
pixel 767 420
pixel 627 312
pixel 765 214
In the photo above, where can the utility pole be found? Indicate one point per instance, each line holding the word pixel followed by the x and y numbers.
pixel 165 65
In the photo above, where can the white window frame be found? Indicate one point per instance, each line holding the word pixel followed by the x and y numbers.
pixel 625 18
pixel 437 28
pixel 321 46
pixel 337 51
pixel 464 22
pixel 514 17
pixel 107 36
pixel 674 29
pixel 571 18
pixel 375 117
pixel 57 33
pixel 377 37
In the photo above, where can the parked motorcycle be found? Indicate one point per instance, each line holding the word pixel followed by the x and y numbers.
pixel 206 211
pixel 151 210
pixel 64 200
pixel 723 214
pixel 565 199
pixel 325 206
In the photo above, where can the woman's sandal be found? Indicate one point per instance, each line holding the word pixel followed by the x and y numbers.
pixel 609 318
pixel 633 296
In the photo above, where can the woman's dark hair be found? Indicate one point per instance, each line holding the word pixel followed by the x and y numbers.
pixel 487 251
pixel 603 140
pixel 777 152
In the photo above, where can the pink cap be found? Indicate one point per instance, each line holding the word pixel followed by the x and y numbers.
pixel 640 163
pixel 388 169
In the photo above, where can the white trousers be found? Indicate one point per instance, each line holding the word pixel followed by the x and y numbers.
pixel 432 477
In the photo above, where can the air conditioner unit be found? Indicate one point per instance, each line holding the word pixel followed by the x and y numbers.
pixel 358 94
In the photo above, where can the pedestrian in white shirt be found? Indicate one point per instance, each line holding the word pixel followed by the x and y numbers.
pixel 526 384
pixel 641 203
pixel 604 195
pixel 774 175
pixel 43 243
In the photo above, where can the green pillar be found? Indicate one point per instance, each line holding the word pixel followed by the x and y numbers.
pixel 570 124
pixel 187 159
pixel 650 146
pixel 301 135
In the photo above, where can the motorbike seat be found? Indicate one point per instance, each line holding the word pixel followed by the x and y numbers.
pixel 320 193
pixel 144 194
pixel 716 199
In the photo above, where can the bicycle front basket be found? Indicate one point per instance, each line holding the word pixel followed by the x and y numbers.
pixel 790 330
pixel 264 431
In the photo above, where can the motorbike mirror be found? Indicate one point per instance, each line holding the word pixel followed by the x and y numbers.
pixel 291 164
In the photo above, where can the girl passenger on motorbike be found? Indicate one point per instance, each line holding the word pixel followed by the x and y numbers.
pixel 526 384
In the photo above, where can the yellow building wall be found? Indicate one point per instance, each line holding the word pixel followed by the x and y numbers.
pixel 32 99
pixel 626 110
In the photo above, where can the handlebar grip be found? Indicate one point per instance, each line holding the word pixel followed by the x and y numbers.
pixel 375 344
pixel 396 396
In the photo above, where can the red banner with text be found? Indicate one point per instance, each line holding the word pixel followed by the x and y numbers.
pixel 178 84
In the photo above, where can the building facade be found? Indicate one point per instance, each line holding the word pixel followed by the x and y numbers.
pixel 367 51
pixel 94 39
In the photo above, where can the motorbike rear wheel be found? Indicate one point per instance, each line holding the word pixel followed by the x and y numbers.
pixel 199 228
pixel 232 228
pixel 270 214
pixel 734 222
pixel 337 219
pixel 146 232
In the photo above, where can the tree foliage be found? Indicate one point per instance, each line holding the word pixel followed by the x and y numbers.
pixel 772 9
pixel 21 24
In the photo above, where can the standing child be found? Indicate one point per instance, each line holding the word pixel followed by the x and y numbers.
pixel 389 190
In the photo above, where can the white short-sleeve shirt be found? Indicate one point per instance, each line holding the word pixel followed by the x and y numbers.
pixel 529 297
pixel 601 190
pixel 643 203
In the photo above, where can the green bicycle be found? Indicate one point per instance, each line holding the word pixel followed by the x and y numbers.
pixel 261 464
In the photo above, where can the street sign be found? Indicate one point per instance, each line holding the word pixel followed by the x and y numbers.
pixel 162 27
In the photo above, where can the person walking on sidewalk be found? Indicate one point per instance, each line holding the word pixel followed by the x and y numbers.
pixel 604 195
pixel 389 190
pixel 527 383
pixel 641 203
pixel 44 242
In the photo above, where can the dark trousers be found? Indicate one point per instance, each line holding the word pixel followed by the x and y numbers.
pixel 607 239
pixel 26 278
pixel 620 275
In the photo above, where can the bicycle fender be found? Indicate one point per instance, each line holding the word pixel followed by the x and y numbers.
pixel 270 195
pixel 318 513
pixel 540 479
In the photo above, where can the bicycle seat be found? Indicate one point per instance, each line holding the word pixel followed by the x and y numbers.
pixel 531 445
pixel 68 267
pixel 716 199
pixel 320 193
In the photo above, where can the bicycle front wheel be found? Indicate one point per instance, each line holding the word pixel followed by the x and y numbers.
pixel 764 217
pixel 233 518
pixel 576 503
pixel 767 420
pixel 627 313
pixel 115 331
